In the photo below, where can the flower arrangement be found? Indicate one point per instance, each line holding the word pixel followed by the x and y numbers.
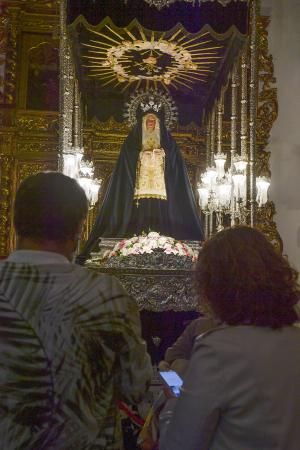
pixel 148 243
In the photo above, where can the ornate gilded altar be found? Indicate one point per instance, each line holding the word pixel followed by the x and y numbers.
pixel 37 48
pixel 32 137
pixel 29 142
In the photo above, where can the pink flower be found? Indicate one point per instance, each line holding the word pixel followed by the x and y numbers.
pixel 122 244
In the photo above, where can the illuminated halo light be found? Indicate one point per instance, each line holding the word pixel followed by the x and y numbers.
pixel 180 60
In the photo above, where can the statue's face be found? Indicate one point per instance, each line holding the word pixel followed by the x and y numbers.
pixel 150 123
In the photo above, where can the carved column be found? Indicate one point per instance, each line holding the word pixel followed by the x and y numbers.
pixel 208 144
pixel 66 89
pixel 244 125
pixel 208 147
pixel 3 49
pixel 211 160
pixel 80 120
pixel 212 136
pixel 233 119
pixel 77 119
pixel 11 56
pixel 244 103
pixel 253 107
pixel 219 123
pixel 6 163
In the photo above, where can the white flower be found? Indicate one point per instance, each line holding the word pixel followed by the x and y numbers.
pixel 162 240
pixel 153 235
pixel 153 243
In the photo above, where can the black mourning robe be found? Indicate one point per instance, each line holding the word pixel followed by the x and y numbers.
pixel 119 215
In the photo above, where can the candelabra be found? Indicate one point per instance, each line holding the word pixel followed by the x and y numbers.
pixel 83 171
pixel 87 181
pixel 224 192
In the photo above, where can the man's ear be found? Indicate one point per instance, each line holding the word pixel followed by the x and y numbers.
pixel 78 235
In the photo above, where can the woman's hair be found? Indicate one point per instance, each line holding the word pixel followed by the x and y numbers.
pixel 241 279
pixel 49 206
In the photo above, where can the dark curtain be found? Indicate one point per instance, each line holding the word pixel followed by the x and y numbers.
pixel 193 18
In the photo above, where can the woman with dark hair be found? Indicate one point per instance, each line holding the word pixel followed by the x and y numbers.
pixel 242 387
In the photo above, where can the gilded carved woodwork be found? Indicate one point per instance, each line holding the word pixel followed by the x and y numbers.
pixel 111 126
pixel 262 164
pixel 34 147
pixel 27 168
pixel 28 138
pixel 266 224
pixel 3 50
pixel 31 122
pixel 41 6
pixel 6 191
pixel 32 21
pixel 11 56
pixel 267 111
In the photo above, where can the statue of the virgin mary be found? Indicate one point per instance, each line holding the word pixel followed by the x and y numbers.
pixel 150 170
pixel 149 189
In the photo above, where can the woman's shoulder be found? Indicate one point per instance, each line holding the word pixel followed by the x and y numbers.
pixel 244 337
pixel 203 325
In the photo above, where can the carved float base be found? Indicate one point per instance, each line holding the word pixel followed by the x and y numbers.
pixel 158 282
pixel 163 286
